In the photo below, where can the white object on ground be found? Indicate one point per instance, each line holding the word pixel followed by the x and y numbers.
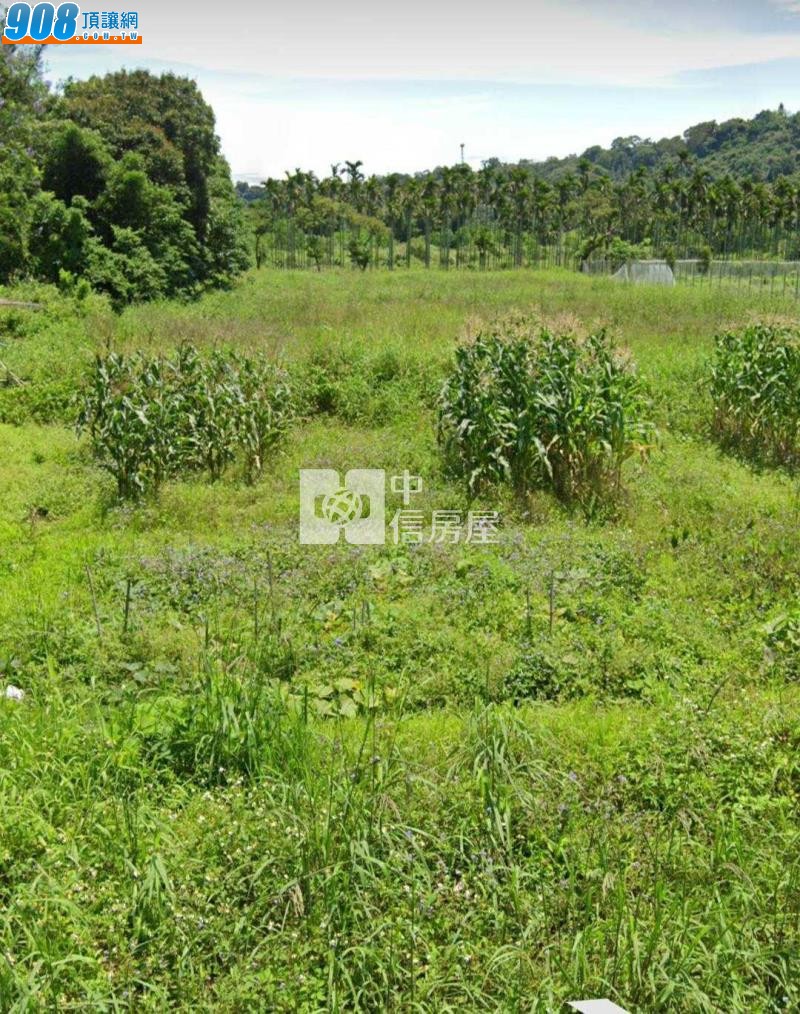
pixel 596 1007
pixel 14 693
pixel 653 272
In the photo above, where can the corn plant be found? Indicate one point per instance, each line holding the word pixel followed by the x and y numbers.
pixel 151 418
pixel 132 423
pixel 209 396
pixel 265 408
pixel 534 408
pixel 755 387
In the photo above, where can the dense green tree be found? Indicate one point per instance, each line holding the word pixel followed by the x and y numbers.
pixel 179 179
pixel 76 162
pixel 59 237
pixel 120 180
pixel 152 212
pixel 225 251
pixel 12 237
pixel 765 147
pixel 22 98
pixel 163 119
pixel 125 269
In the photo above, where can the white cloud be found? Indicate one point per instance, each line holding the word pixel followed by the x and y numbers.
pixel 312 84
pixel 505 40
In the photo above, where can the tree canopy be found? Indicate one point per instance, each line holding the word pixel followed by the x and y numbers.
pixel 636 198
pixel 119 180
pixel 763 148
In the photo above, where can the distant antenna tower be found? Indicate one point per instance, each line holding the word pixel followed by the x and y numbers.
pixel 462 152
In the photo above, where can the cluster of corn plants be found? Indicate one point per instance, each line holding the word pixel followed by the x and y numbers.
pixel 536 408
pixel 755 386
pixel 151 417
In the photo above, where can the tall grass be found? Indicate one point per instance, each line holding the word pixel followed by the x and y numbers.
pixel 508 859
pixel 183 826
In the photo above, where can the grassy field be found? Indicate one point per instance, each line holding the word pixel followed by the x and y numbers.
pixel 253 775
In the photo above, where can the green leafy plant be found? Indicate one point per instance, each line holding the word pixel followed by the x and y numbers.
pixel 755 387
pixel 150 418
pixel 360 250
pixel 783 640
pixel 535 408
pixel 264 411
pixel 211 398
pixel 123 410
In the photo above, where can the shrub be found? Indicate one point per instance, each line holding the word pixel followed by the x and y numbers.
pixel 360 250
pixel 150 418
pixel 539 673
pixel 620 252
pixel 535 408
pixel 755 387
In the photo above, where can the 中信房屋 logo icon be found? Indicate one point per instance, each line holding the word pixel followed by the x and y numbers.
pixel 354 508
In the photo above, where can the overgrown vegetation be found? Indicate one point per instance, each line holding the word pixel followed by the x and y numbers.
pixel 538 407
pixel 151 418
pixel 755 386
pixel 250 774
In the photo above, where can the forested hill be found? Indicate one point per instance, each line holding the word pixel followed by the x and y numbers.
pixel 763 148
pixel 766 147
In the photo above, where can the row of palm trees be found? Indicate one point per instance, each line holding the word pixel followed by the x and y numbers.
pixel 507 215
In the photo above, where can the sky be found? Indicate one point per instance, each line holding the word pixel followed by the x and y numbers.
pixel 402 86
